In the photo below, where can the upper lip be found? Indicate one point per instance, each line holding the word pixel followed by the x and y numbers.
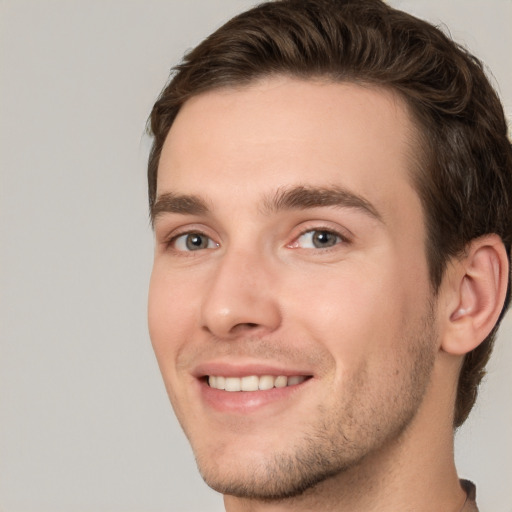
pixel 229 369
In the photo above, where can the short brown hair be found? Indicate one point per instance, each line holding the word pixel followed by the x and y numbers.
pixel 464 177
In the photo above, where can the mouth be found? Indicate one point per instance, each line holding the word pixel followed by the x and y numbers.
pixel 251 383
pixel 247 388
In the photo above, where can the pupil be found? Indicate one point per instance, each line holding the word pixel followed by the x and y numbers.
pixel 195 242
pixel 324 239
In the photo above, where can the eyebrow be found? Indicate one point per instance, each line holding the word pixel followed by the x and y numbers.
pixel 304 197
pixel 174 203
pixel 295 198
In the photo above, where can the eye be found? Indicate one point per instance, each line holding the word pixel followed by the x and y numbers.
pixel 318 239
pixel 193 242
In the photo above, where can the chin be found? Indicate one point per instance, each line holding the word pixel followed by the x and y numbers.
pixel 279 479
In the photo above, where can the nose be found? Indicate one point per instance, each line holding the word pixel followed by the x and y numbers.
pixel 241 299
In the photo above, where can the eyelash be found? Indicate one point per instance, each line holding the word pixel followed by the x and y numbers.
pixel 171 241
pixel 321 229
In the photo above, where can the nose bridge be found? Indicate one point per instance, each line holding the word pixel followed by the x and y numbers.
pixel 240 295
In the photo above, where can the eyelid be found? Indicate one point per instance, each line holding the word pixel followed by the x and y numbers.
pixel 344 234
pixel 168 234
pixel 183 244
pixel 328 229
pixel 167 225
pixel 175 236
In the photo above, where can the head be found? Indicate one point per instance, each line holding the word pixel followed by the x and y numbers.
pixel 463 159
pixel 322 172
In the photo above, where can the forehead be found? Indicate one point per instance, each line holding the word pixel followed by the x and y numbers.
pixel 282 131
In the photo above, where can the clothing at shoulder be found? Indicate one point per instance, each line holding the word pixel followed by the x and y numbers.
pixel 470 505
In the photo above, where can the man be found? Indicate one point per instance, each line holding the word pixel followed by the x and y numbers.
pixel 330 189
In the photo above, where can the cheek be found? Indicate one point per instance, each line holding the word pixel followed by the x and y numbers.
pixel 166 314
pixel 168 330
pixel 339 301
pixel 357 313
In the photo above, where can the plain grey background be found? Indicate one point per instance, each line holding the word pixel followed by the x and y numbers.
pixel 84 421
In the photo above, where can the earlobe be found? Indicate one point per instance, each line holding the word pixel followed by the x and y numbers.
pixel 478 286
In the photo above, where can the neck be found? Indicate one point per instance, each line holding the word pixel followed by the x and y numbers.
pixel 416 469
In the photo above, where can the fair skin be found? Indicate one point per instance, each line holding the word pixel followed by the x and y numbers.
pixel 290 249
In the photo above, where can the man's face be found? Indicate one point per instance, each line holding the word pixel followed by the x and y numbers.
pixel 290 252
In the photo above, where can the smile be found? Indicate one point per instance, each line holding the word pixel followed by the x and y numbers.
pixel 254 382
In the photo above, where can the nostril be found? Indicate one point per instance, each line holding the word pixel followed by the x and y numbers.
pixel 244 327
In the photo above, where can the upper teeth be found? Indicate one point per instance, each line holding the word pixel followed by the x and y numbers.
pixel 253 382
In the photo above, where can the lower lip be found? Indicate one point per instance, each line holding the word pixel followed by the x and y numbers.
pixel 244 402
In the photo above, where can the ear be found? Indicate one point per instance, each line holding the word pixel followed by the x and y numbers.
pixel 475 288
